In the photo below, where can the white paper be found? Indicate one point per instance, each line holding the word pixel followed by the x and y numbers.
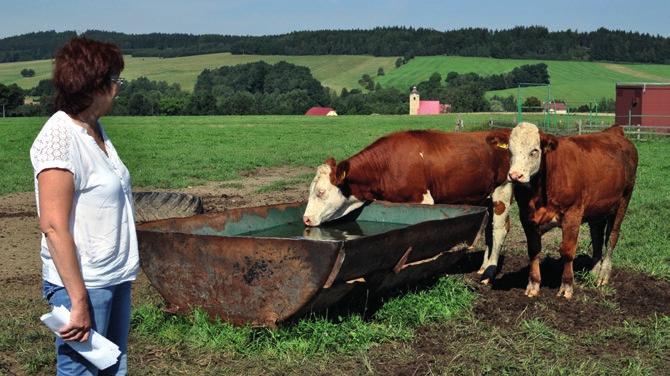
pixel 98 350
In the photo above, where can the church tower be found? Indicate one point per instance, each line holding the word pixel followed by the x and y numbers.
pixel 414 102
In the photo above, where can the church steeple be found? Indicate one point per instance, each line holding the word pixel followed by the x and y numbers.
pixel 414 102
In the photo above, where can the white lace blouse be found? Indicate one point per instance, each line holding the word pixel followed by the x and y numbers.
pixel 102 220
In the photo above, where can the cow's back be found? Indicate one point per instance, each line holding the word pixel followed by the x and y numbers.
pixel 593 170
pixel 452 167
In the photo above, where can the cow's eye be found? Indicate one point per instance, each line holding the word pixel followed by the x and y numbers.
pixel 320 193
pixel 534 153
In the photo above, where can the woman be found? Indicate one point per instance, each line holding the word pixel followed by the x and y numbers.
pixel 85 205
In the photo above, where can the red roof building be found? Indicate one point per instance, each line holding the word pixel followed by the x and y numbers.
pixel 555 107
pixel 321 111
pixel 419 107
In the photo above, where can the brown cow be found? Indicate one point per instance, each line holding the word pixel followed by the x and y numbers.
pixel 422 166
pixel 564 181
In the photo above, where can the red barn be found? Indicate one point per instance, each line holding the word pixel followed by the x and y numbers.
pixel 646 104
pixel 321 111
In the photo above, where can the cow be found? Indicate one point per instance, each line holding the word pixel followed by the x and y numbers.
pixel 565 181
pixel 421 166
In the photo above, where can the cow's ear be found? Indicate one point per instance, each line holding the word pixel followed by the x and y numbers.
pixel 498 141
pixel 548 143
pixel 331 162
pixel 340 173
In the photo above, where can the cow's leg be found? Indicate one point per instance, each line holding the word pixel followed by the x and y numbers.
pixel 597 229
pixel 502 200
pixel 568 250
pixel 612 234
pixel 534 241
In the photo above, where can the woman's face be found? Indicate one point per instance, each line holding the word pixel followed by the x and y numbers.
pixel 105 100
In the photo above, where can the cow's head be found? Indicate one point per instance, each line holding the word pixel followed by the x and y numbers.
pixel 526 146
pixel 326 199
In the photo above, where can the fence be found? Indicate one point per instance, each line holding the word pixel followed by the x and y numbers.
pixel 634 131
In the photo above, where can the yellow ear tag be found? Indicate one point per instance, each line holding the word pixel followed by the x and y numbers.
pixel 503 146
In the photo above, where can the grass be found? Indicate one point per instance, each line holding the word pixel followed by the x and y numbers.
pixel 175 152
pixel 576 82
pixel 334 71
pixel 313 336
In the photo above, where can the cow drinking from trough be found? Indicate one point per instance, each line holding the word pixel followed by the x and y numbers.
pixel 564 181
pixel 421 167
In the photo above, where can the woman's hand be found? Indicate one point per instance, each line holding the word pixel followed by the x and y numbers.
pixel 79 327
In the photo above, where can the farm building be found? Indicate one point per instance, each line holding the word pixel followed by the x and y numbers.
pixel 321 111
pixel 419 107
pixel 646 104
pixel 555 108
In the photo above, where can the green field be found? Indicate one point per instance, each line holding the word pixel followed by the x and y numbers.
pixel 573 81
pixel 190 150
pixel 437 328
pixel 333 71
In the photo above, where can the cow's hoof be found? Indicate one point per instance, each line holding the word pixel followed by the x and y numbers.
pixel 481 270
pixel 533 289
pixel 488 275
pixel 565 291
pixel 603 280
pixel 602 274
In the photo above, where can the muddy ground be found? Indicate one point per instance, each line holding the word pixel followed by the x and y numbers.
pixel 631 296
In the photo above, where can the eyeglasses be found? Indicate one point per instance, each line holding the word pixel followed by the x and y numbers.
pixel 118 80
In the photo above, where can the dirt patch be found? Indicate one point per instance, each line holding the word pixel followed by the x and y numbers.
pixel 244 192
pixel 632 72
pixel 630 295
pixel 19 235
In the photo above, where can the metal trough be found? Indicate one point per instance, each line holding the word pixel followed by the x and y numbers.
pixel 260 265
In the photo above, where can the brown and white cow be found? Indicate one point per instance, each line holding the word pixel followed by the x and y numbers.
pixel 564 181
pixel 422 166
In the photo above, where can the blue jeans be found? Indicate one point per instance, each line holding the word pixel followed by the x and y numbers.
pixel 110 313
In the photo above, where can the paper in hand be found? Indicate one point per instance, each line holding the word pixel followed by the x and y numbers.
pixel 98 350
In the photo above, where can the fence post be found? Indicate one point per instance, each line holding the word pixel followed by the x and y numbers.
pixel 579 126
pixel 638 132
pixel 629 124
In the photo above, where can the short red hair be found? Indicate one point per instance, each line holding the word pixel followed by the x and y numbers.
pixel 82 68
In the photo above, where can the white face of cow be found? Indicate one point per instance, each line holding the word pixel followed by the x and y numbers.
pixel 326 201
pixel 526 153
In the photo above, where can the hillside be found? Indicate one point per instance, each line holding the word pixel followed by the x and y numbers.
pixel 574 81
pixel 334 71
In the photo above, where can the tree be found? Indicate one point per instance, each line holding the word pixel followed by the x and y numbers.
pixel 11 96
pixel 380 71
pixel 25 72
pixel 532 104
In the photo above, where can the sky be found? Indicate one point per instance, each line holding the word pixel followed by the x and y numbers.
pixel 266 17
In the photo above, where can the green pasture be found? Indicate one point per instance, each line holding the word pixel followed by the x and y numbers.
pixel 172 152
pixel 576 82
pixel 336 71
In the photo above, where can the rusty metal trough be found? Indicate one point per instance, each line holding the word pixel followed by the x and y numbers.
pixel 260 265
